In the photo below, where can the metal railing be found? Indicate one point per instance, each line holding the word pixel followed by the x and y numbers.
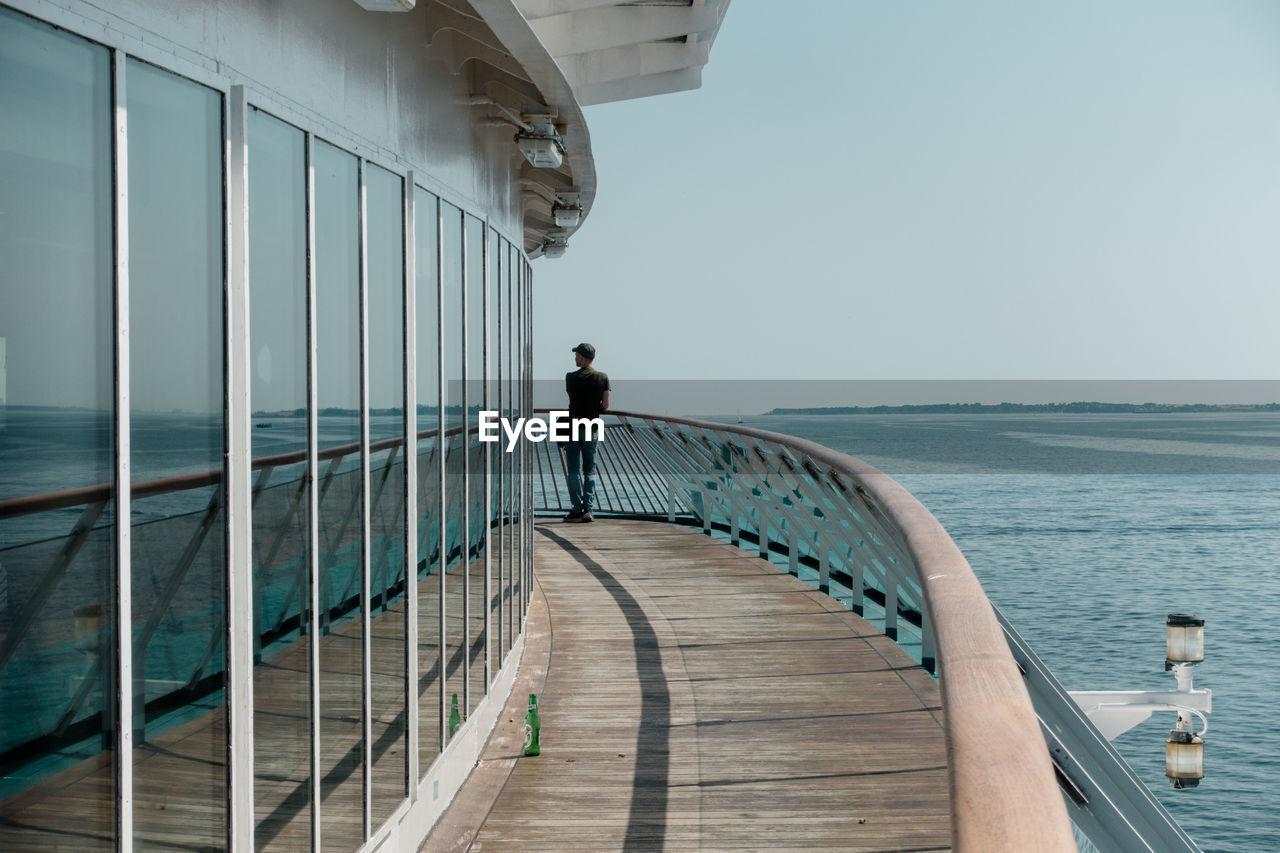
pixel 855 534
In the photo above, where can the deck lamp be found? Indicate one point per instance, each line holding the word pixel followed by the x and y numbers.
pixel 567 209
pixel 1184 750
pixel 1184 755
pixel 555 247
pixel 540 143
pixel 1115 712
pixel 567 213
pixel 1185 642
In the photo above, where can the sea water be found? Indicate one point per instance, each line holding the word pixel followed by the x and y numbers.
pixel 1086 530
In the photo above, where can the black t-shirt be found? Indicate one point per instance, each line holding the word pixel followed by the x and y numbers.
pixel 586 387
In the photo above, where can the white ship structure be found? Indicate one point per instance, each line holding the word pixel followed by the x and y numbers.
pixel 265 590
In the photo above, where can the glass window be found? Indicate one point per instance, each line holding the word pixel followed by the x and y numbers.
pixel 337 336
pixel 477 289
pixel 281 523
pixel 176 394
pixel 385 264
pixel 497 469
pixel 517 590
pixel 57 567
pixel 427 320
pixel 526 583
pixel 526 319
pixel 510 459
pixel 453 422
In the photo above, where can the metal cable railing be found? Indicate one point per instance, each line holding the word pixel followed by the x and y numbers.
pixel 855 534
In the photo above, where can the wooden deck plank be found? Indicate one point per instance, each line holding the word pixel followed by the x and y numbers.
pixel 696 698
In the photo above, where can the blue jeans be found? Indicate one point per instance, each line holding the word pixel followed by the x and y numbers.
pixel 580 457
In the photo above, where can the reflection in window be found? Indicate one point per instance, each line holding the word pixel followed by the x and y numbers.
pixel 476 521
pixel 518 403
pixel 526 367
pixel 430 578
pixel 385 254
pixel 341 639
pixel 453 422
pixel 281 527
pixel 56 433
pixel 497 466
pixel 176 393
pixel 513 479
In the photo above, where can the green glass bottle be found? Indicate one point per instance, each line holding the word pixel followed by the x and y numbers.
pixel 455 717
pixel 532 728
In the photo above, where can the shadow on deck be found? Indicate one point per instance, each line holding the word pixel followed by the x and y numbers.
pixel 694 697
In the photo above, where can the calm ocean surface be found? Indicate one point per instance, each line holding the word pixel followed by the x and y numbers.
pixel 1086 530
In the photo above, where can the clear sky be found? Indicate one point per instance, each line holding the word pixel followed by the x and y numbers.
pixel 993 189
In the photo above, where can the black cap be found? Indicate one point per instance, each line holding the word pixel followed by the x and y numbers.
pixel 587 351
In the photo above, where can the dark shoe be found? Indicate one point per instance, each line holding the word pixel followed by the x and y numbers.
pixel 586 517
pixel 576 515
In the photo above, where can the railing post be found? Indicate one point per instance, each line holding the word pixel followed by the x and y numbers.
pixel 858 584
pixel 928 653
pixel 824 564
pixel 891 605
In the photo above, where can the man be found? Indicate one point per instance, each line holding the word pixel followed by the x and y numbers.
pixel 588 391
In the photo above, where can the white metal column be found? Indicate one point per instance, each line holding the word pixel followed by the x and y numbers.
pixel 123 699
pixel 366 628
pixel 239 491
pixel 464 439
pixel 313 501
pixel 442 443
pixel 411 483
pixel 488 467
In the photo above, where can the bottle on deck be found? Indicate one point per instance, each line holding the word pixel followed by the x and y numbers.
pixel 532 728
pixel 455 716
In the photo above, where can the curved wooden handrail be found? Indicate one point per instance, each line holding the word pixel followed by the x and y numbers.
pixel 1004 794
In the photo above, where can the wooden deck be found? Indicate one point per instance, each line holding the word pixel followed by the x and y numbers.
pixel 694 697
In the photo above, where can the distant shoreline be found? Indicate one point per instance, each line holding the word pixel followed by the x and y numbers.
pixel 1031 409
